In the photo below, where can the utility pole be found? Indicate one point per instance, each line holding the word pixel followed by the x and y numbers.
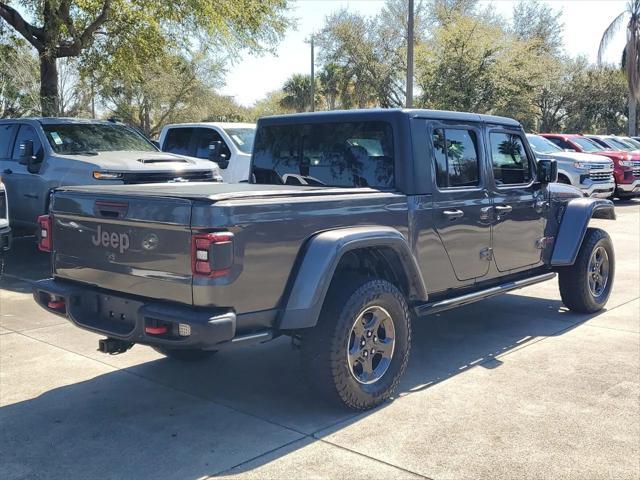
pixel 313 78
pixel 410 56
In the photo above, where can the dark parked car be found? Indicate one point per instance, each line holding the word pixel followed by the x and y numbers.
pixel 354 225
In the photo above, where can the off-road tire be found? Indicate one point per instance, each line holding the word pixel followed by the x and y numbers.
pixel 185 355
pixel 324 347
pixel 573 280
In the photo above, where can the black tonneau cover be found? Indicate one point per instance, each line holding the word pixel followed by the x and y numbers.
pixel 214 192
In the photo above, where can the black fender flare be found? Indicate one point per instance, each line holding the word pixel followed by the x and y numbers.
pixel 574 226
pixel 320 258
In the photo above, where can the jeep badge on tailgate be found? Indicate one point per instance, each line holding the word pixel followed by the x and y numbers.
pixel 114 240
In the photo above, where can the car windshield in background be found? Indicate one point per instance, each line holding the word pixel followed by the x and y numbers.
pixel 346 154
pixel 587 144
pixel 542 145
pixel 631 141
pixel 619 144
pixel 242 137
pixel 90 138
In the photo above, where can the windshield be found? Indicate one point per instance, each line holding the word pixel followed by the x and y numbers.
pixel 242 137
pixel 542 145
pixel 619 144
pixel 632 141
pixel 91 138
pixel 587 144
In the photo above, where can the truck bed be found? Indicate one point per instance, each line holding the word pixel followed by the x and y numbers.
pixel 270 225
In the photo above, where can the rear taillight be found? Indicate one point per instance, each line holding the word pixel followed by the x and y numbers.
pixel 211 254
pixel 44 233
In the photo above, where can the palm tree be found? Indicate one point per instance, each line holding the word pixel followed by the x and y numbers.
pixel 297 93
pixel 631 62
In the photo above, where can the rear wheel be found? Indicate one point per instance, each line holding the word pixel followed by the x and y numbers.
pixel 360 347
pixel 586 285
pixel 185 355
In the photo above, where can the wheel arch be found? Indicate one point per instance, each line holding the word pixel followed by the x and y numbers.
pixel 573 227
pixel 379 251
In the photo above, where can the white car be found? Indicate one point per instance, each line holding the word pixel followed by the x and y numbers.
pixel 5 230
pixel 227 144
pixel 592 174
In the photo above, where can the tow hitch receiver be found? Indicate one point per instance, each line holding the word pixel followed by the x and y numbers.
pixel 113 346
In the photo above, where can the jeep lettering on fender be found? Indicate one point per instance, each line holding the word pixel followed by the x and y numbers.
pixel 118 241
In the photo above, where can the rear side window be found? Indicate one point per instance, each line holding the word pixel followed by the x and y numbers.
pixel 178 141
pixel 511 165
pixel 456 158
pixel 6 137
pixel 341 154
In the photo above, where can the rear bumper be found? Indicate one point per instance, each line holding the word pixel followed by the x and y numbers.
pixel 135 319
pixel 5 239
pixel 629 188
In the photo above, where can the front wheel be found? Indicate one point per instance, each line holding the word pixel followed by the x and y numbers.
pixel 360 347
pixel 586 285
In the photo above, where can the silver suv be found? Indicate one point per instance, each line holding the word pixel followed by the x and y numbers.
pixel 593 174
pixel 40 154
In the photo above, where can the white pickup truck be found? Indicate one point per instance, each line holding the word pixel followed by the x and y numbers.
pixel 227 144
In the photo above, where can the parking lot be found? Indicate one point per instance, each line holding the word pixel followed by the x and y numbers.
pixel 512 387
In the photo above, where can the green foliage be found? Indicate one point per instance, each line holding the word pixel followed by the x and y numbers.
pixel 19 94
pixel 597 101
pixel 297 93
pixel 271 104
pixel 128 33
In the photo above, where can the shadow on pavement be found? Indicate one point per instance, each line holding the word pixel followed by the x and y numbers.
pixel 23 263
pixel 164 419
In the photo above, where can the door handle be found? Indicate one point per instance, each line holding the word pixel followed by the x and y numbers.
pixel 453 214
pixel 7 171
pixel 503 209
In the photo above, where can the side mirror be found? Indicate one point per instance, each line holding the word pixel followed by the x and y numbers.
pixel 216 155
pixel 26 151
pixel 547 170
pixel 27 157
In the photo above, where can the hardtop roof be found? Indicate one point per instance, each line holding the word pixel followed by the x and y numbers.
pixel 385 114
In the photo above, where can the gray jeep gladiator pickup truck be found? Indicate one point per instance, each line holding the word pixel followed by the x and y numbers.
pixel 353 225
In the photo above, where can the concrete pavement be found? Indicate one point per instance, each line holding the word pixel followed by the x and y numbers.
pixel 512 387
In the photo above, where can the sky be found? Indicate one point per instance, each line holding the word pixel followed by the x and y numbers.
pixel 250 78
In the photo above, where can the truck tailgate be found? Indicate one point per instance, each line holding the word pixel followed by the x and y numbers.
pixel 135 245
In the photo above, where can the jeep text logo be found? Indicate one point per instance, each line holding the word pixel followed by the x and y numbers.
pixel 115 240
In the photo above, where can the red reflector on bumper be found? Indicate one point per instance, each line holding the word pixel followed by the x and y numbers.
pixel 156 330
pixel 56 304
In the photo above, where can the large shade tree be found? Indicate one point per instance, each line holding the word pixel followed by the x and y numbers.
pixel 631 54
pixel 68 28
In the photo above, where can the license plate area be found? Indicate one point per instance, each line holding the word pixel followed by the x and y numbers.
pixel 105 312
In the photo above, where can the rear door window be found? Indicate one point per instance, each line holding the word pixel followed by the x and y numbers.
pixel 7 132
pixel 511 164
pixel 178 140
pixel 456 157
pixel 340 154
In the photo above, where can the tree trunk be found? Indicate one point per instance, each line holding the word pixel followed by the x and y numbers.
pixel 49 98
pixel 632 115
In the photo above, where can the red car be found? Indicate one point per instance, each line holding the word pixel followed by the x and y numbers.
pixel 626 165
